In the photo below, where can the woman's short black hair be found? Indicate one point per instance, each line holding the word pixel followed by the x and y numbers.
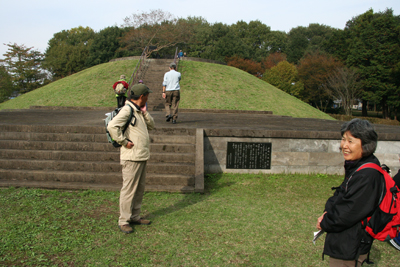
pixel 363 130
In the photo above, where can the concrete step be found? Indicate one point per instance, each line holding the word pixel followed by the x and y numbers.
pixel 173 148
pixel 80 157
pixel 53 128
pixel 80 146
pixel 89 156
pixel 59 155
pixel 153 77
pixel 64 137
pixel 72 146
pixel 92 166
pixel 167 168
pixel 101 138
pixel 91 177
pixel 91 186
pixel 5 130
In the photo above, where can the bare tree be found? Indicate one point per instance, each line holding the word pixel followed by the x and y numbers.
pixel 343 84
pixel 153 18
pixel 157 28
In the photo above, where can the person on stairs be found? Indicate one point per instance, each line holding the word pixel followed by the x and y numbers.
pixel 120 89
pixel 171 92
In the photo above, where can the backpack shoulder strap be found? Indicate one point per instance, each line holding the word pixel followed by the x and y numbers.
pixel 383 181
pixel 365 165
pixel 372 166
pixel 129 119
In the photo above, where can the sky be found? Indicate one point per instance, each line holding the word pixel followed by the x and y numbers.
pixel 33 23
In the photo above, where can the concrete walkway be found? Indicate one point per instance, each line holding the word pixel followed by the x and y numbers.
pixel 209 121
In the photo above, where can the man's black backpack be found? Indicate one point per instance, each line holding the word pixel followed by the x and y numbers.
pixel 109 117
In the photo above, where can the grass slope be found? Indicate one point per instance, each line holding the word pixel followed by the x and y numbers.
pixel 204 86
pixel 214 86
pixel 89 88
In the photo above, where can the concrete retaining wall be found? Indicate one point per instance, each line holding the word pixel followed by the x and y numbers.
pixel 294 155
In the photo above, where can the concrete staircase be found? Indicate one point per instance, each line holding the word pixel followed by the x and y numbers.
pixel 79 157
pixel 152 75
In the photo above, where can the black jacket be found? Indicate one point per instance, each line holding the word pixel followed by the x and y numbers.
pixel 352 202
pixel 396 179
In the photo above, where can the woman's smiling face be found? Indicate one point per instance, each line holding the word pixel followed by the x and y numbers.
pixel 351 147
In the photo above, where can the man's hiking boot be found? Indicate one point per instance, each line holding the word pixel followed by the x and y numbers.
pixel 126 228
pixel 141 221
pixel 169 117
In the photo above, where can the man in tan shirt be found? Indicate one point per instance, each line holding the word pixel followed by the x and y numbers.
pixel 135 152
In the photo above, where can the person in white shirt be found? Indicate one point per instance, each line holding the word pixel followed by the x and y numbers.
pixel 171 93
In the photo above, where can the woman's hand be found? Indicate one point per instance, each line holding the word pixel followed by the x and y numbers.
pixel 320 220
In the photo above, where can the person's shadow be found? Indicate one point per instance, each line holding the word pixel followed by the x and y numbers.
pixel 211 186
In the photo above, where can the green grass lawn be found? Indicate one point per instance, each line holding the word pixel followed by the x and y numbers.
pixel 241 220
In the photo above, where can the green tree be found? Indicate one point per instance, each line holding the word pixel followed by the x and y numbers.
pixel 276 42
pixel 6 84
pixel 105 46
pixel 191 44
pixel 24 66
pixel 394 98
pixel 254 36
pixel 373 46
pixel 304 40
pixel 219 42
pixel 68 51
pixel 285 77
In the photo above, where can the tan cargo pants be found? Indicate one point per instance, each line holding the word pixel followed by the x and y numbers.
pixel 172 102
pixel 131 196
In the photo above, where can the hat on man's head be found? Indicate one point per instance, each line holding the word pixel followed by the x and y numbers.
pixel 140 81
pixel 172 65
pixel 122 77
pixel 140 89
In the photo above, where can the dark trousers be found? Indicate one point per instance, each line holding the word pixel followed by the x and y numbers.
pixel 121 101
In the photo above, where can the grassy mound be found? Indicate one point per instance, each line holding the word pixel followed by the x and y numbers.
pixel 204 86
pixel 89 88
pixel 213 86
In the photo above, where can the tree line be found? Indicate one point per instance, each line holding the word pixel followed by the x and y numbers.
pixel 318 64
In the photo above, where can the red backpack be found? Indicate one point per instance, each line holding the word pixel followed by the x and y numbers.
pixel 384 223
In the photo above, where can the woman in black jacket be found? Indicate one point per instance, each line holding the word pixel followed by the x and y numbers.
pixel 346 242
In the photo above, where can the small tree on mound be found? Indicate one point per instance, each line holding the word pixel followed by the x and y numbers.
pixel 285 77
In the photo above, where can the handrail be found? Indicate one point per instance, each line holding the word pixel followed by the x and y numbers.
pixel 136 68
pixel 176 54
